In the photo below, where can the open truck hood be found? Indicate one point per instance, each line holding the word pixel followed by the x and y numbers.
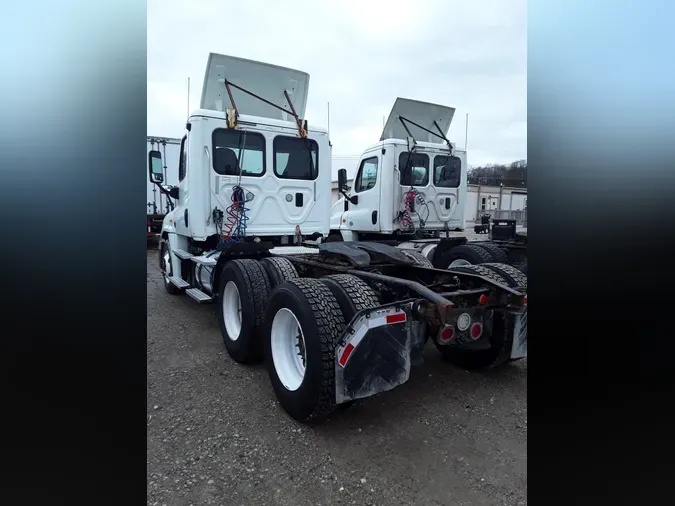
pixel 422 113
pixel 265 80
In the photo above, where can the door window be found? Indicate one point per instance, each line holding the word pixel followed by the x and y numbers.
pixel 367 176
pixel 182 163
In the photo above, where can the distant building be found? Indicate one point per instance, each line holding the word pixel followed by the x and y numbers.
pixel 496 201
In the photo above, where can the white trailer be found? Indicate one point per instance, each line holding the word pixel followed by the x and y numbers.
pixel 157 203
pixel 337 321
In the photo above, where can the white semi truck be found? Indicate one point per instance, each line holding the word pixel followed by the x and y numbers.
pixel 411 188
pixel 337 321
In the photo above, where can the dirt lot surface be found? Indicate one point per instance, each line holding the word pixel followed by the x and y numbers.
pixel 216 434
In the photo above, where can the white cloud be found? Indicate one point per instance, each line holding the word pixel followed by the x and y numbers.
pixel 361 55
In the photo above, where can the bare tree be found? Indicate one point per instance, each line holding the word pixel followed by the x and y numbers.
pixel 513 174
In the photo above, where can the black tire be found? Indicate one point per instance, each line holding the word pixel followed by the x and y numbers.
pixel 513 276
pixel 514 279
pixel 279 270
pixel 352 294
pixel 168 286
pixel 469 252
pixel 498 254
pixel 418 258
pixel 253 286
pixel 481 270
pixel 334 237
pixel 474 360
pixel 322 322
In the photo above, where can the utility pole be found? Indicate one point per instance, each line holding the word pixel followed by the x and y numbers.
pixel 188 98
pixel 466 131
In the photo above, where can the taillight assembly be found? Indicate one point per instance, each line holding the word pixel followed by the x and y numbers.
pixel 463 321
pixel 476 330
pixel 447 334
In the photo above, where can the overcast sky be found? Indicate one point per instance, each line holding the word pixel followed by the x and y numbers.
pixel 361 55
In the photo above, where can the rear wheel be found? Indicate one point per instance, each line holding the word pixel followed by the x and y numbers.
pixel 334 237
pixel 278 270
pixel 498 353
pixel 352 295
pixel 165 266
pixel 418 258
pixel 498 254
pixel 243 292
pixel 467 254
pixel 482 270
pixel 303 324
pixel 513 276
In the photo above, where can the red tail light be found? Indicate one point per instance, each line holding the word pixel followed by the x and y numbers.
pixel 447 334
pixel 476 331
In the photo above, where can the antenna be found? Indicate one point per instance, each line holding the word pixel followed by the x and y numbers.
pixel 328 119
pixel 466 131
pixel 188 99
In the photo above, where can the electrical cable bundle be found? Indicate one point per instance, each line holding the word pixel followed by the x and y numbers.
pixel 406 216
pixel 234 227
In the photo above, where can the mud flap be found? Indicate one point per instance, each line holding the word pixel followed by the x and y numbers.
pixel 519 346
pixel 374 356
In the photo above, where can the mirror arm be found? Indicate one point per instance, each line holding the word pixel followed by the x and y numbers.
pixel 352 200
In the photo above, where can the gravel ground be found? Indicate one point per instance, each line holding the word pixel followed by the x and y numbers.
pixel 216 434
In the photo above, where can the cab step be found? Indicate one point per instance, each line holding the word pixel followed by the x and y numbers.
pixel 198 295
pixel 204 260
pixel 178 282
pixel 182 254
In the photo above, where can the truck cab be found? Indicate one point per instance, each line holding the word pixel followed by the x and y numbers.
pixel 411 182
pixel 248 145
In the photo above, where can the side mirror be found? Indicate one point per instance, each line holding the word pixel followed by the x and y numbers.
pixel 342 188
pixel 342 180
pixel 155 168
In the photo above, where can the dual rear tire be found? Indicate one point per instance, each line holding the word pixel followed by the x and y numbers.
pixel 473 254
pixel 267 312
pixel 499 351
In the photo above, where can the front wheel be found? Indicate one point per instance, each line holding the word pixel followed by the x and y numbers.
pixel 303 324
pixel 165 266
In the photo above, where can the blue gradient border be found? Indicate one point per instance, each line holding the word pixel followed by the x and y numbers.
pixel 72 191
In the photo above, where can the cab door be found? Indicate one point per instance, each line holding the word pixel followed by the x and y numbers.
pixel 365 215
pixel 180 213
